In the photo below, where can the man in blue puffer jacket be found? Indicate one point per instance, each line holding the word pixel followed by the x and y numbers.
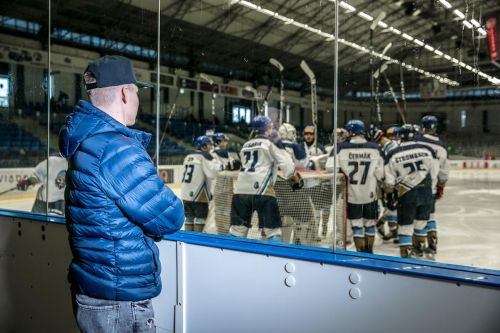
pixel 116 205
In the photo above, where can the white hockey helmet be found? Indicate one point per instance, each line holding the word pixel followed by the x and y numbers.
pixel 287 132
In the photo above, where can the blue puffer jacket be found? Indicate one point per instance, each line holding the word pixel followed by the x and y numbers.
pixel 115 204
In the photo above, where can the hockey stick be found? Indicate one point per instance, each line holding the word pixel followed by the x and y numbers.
pixel 373 26
pixel 256 96
pixel 314 104
pixel 265 103
pixel 172 110
pixel 402 84
pixel 9 190
pixel 211 82
pixel 381 68
pixel 280 67
pixel 403 118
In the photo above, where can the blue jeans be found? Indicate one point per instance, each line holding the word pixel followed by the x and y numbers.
pixel 99 315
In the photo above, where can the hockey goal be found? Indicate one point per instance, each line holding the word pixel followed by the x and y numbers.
pixel 308 215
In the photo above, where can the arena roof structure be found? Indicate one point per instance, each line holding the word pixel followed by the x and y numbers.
pixel 235 39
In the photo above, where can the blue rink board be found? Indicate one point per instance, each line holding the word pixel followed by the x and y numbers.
pixel 419 268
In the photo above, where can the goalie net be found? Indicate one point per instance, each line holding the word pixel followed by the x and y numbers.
pixel 307 214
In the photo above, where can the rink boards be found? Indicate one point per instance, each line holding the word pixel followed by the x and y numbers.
pixel 218 284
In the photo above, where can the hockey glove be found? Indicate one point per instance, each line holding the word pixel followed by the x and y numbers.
pixel 296 182
pixel 391 201
pixel 233 165
pixel 23 184
pixel 439 191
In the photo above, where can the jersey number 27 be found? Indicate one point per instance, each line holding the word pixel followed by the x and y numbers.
pixel 356 165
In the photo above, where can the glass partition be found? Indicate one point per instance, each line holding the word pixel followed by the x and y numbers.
pixel 431 65
pixel 218 64
pixel 24 105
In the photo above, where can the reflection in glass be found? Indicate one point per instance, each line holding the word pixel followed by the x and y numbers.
pixel 23 106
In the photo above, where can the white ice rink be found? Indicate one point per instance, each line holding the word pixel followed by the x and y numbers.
pixel 468 219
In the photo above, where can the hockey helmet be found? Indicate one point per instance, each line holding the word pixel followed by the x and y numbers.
pixel 342 135
pixel 355 127
pixel 393 132
pixel 261 124
pixel 417 129
pixel 219 137
pixel 201 141
pixel 429 122
pixel 287 132
pixel 407 132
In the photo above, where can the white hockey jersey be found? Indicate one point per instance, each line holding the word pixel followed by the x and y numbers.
pixel 363 163
pixel 55 181
pixel 297 152
pixel 442 155
pixel 409 164
pixel 260 159
pixel 317 156
pixel 200 170
pixel 225 156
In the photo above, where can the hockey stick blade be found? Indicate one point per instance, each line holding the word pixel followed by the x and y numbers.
pixel 207 78
pixel 276 64
pixel 308 71
pixel 379 18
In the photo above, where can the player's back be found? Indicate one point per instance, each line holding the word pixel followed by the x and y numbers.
pixel 441 151
pixel 200 168
pixel 260 159
pixel 409 164
pixel 363 163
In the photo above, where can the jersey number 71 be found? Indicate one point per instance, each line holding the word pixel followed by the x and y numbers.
pixel 254 157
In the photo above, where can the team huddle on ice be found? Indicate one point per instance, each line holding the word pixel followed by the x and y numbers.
pixel 402 170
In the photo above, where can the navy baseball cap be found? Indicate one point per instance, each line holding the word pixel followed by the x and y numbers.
pixel 111 71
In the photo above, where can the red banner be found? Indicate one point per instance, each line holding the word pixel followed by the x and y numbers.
pixel 491 29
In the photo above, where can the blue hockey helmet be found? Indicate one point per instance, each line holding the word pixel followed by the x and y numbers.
pixel 355 127
pixel 407 132
pixel 429 122
pixel 201 141
pixel 219 137
pixel 261 124
pixel 393 131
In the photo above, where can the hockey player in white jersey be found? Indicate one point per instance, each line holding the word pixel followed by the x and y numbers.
pixel 54 180
pixel 409 170
pixel 254 190
pixel 288 136
pixel 297 214
pixel 429 138
pixel 223 154
pixel 200 169
pixel 390 216
pixel 363 164
pixel 231 162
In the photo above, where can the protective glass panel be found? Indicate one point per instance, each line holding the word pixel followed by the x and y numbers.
pixel 226 63
pixel 432 65
pixel 24 105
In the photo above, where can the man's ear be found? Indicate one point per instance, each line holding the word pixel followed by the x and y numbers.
pixel 123 94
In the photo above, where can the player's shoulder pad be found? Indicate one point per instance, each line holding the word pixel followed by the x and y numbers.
pixel 321 147
pixel 435 142
pixel 408 147
pixel 277 142
pixel 222 153
pixel 205 154
pixel 298 150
